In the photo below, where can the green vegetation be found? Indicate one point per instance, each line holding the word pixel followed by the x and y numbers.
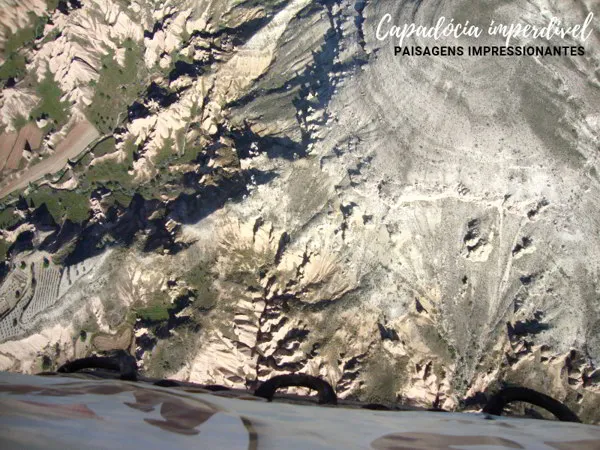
pixel 62 176
pixel 168 180
pixel 171 354
pixel 14 61
pixel 177 56
pixel 88 328
pixel 110 173
pixel 4 246
pixel 14 65
pixel 82 164
pixel 46 363
pixel 105 147
pixel 122 198
pixel 50 106
pixel 165 153
pixel 386 375
pixel 156 307
pixel 8 217
pixel 52 36
pixel 115 176
pixel 117 87
pixel 61 204
pixel 155 313
pixel 201 280
pixel 20 122
pixel 62 254
pixel 24 36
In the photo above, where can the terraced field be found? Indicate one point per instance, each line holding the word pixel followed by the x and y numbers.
pixel 40 294
pixel 46 291
pixel 11 291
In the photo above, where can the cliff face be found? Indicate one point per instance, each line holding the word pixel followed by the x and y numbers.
pixel 416 228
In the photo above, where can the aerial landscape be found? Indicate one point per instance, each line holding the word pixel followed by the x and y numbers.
pixel 235 189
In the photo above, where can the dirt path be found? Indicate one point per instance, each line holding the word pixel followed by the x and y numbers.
pixel 13 144
pixel 82 135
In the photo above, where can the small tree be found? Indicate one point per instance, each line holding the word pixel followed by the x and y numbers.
pixel 46 363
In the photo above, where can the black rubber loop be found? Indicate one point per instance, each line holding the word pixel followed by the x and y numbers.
pixel 124 363
pixel 174 383
pixel 498 402
pixel 167 383
pixel 216 387
pixel 376 407
pixel 326 393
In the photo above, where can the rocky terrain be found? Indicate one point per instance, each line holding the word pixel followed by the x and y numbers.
pixel 255 188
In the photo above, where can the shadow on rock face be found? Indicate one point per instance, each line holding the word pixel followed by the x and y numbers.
pixel 23 243
pixel 66 6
